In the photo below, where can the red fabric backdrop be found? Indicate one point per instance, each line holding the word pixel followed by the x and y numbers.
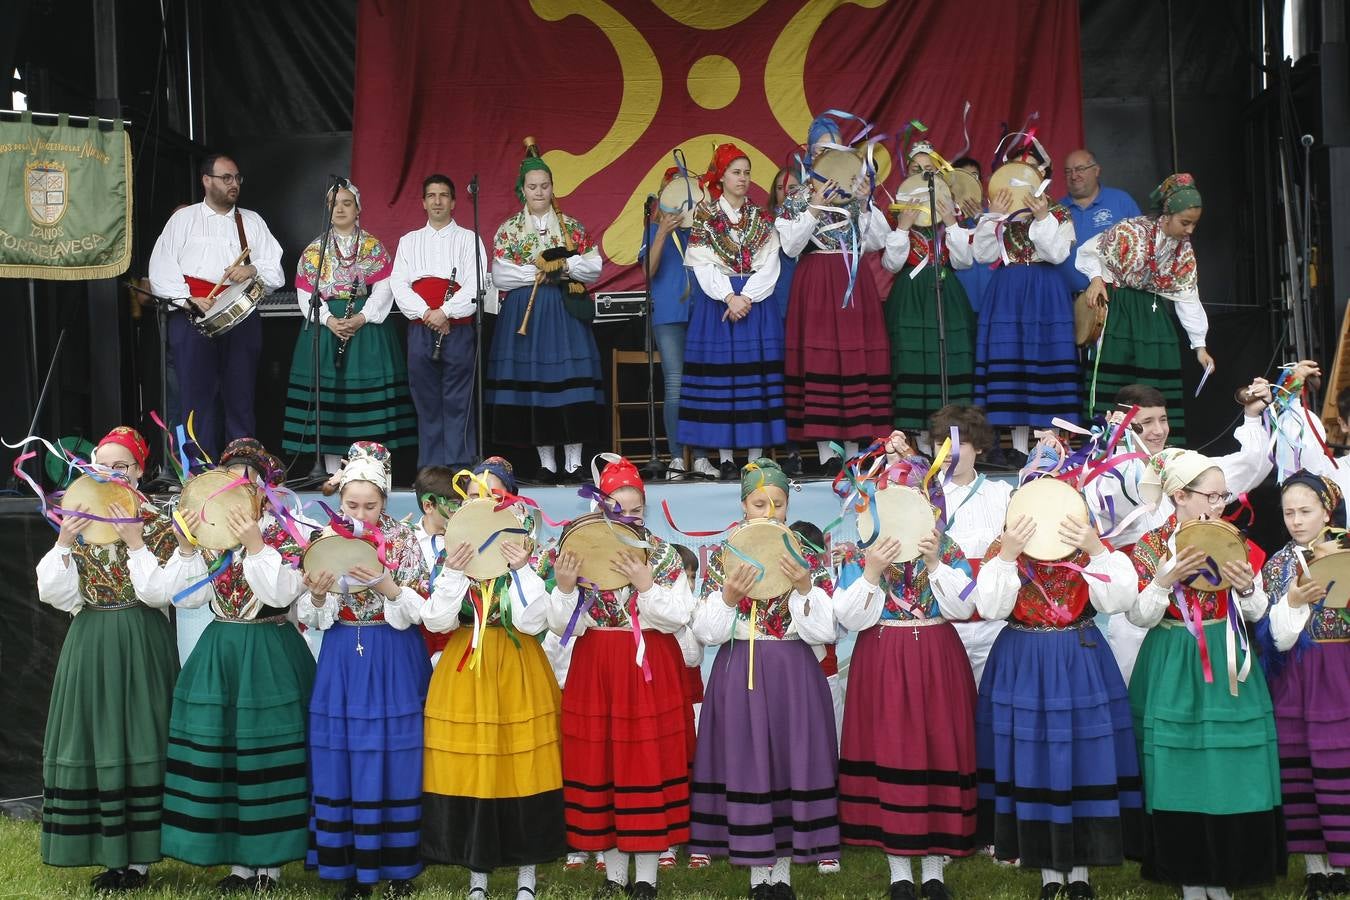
pixel 609 90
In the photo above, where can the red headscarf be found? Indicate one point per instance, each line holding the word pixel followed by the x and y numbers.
pixel 130 438
pixel 621 474
pixel 723 157
pixel 670 174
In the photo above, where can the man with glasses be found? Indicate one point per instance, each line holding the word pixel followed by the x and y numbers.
pixel 1093 206
pixel 200 246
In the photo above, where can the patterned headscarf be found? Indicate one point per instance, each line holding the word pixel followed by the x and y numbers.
pixel 911 471
pixel 250 452
pixel 131 440
pixel 1171 470
pixel 760 473
pixel 1327 491
pixel 367 461
pixel 723 157
pixel 496 465
pixel 346 185
pixel 527 165
pixel 1177 192
pixel 920 147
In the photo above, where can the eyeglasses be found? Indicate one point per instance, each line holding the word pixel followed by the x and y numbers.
pixel 230 178
pixel 1079 170
pixel 1213 499
pixel 121 468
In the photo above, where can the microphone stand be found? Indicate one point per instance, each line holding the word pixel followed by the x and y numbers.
pixel 480 292
pixel 936 262
pixel 654 467
pixel 317 473
pixel 41 402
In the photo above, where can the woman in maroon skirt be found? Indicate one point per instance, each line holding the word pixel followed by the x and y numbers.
pixel 837 366
pixel 907 762
pixel 627 728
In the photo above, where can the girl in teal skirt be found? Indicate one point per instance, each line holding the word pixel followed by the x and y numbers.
pixel 1202 712
pixel 107 726
pixel 237 788
pixel 363 379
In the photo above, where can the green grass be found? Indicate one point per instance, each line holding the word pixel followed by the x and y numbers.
pixel 22 874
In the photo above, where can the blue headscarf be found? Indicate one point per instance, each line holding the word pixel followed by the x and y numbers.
pixel 496 465
pixel 822 125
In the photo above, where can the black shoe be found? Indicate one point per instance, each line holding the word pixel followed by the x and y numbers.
pixel 133 880
pixel 544 476
pixel 107 881
pixel 764 891
pixel 352 889
pixel 935 890
pixel 234 884
pixel 399 887
pixel 1051 891
pixel 784 891
pixel 1316 886
pixel 792 466
pixel 728 471
pixel 571 476
pixel 610 889
pixel 903 890
pixel 641 890
pixel 832 467
pixel 1081 890
pixel 1337 884
pixel 478 893
pixel 264 884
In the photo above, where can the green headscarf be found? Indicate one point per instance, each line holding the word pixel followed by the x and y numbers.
pixel 760 473
pixel 530 164
pixel 1177 192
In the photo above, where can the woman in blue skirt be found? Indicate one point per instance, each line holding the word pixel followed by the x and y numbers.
pixel 732 397
pixel 1026 359
pixel 544 385
pixel 365 715
pixel 1057 771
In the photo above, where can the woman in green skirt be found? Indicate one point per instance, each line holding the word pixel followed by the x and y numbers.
pixel 237 788
pixel 107 726
pixel 1150 265
pixel 363 379
pixel 1202 713
pixel 911 314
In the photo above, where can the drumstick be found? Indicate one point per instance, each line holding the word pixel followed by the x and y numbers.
pixel 221 283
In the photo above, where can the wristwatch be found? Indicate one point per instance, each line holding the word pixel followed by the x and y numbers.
pixel 1250 589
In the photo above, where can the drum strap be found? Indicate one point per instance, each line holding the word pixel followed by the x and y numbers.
pixel 243 238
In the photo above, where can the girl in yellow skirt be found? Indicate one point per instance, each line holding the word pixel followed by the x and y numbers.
pixel 493 767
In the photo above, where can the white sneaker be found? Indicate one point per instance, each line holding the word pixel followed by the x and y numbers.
pixel 828 867
pixel 704 468
pixel 575 860
pixel 675 470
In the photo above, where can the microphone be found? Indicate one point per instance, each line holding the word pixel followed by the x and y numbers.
pixel 473 185
pixel 1306 140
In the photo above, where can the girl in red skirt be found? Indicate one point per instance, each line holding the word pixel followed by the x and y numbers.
pixel 907 762
pixel 628 730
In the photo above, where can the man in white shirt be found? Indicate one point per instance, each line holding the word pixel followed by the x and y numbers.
pixel 198 248
pixel 442 358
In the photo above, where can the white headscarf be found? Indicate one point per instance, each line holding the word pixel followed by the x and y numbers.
pixel 1170 470
pixel 367 461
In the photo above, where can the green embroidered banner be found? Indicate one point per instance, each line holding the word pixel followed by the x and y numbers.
pixel 75 219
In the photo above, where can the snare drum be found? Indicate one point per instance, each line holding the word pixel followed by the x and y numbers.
pixel 681 196
pixel 1220 541
pixel 474 523
pixel 763 540
pixel 912 195
pixel 231 306
pixel 1023 179
pixel 1047 502
pixel 96 497
pixel 843 168
pixel 905 514
pixel 332 554
pixel 208 496
pixel 596 540
pixel 1333 573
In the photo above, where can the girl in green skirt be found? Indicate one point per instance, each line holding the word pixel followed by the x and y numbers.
pixel 363 379
pixel 1202 712
pixel 911 314
pixel 237 788
pixel 1149 263
pixel 107 726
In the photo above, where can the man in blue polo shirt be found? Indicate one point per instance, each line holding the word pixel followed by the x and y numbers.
pixel 1094 208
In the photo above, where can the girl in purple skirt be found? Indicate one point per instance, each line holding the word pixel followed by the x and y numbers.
pixel 1310 686
pixel 764 792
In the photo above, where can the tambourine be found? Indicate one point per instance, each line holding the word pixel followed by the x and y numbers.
pixel 762 540
pixel 207 496
pixel 843 168
pixel 905 514
pixel 1333 573
pixel 681 196
pixel 912 195
pixel 1022 179
pixel 474 523
pixel 333 554
pixel 96 497
pixel 1088 321
pixel 1047 502
pixel 965 188
pixel 1220 541
pixel 596 540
